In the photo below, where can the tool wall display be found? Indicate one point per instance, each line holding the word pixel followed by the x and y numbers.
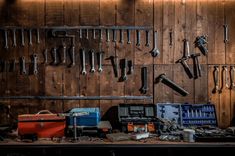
pixel 137 117
pixel 188 115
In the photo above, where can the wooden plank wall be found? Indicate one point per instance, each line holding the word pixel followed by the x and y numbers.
pixel 186 19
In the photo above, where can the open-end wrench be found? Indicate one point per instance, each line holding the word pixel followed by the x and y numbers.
pixel 144 77
pixel 128 36
pixel 83 62
pixel 35 68
pixel 54 56
pixel 30 37
pixel 216 79
pixel 107 35
pixel 45 56
pixel 23 66
pixel 80 33
pixel 93 32
pixel 100 55
pixel 226 77
pixel 155 52
pixel 123 64
pixel 121 36
pixel 225 33
pixel 22 37
pixel 38 36
pixel 130 66
pixel 14 37
pixel 147 38
pixel 232 72
pixel 72 56
pixel 101 34
pixel 64 54
pixel 92 61
pixel 6 39
pixel 114 36
pixel 87 33
pixel 138 38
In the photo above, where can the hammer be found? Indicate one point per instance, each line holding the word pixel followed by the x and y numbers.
pixel 196 65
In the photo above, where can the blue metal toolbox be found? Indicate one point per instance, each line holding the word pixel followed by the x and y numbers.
pixel 188 114
pixel 84 117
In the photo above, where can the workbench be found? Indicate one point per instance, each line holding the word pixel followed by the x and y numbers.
pixel 105 147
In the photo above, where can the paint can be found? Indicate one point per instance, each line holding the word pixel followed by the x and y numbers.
pixel 188 135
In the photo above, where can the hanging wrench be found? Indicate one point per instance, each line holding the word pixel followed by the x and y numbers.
pixel 128 36
pixel 38 36
pixel 121 36
pixel 14 37
pixel 225 33
pixel 80 33
pixel 101 34
pixel 232 71
pixel 147 38
pixel 30 37
pixel 72 55
pixel 54 56
pixel 35 68
pixel 87 33
pixel 130 66
pixel 216 79
pixel 93 31
pixel 92 61
pixel 123 63
pixel 144 74
pixel 64 54
pixel 22 37
pixel 186 54
pixel 23 68
pixel 114 36
pixel 45 57
pixel 100 69
pixel 83 62
pixel 107 35
pixel 155 52
pixel 138 38
pixel 6 39
pixel 226 77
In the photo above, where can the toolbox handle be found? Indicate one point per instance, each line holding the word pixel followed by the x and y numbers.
pixel 44 112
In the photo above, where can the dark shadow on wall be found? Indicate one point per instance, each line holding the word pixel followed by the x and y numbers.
pixel 9 12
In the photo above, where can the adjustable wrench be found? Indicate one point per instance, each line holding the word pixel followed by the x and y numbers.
pixel 138 38
pixel 54 56
pixel 123 64
pixel 72 55
pixel 162 78
pixel 121 36
pixel 216 79
pixel 83 62
pixel 130 66
pixel 14 37
pixel 155 52
pixel 144 77
pixel 64 54
pixel 35 68
pixel 107 35
pixel 92 61
pixel 114 36
pixel 38 36
pixel 147 38
pixel 22 37
pixel 225 33
pixel 6 39
pixel 232 71
pixel 30 37
pixel 45 56
pixel 128 36
pixel 23 68
pixel 100 55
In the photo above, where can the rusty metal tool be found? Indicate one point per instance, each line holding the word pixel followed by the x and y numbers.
pixel 155 51
pixel 216 79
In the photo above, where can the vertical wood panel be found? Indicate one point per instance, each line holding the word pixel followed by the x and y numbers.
pixel 143 17
pixel 158 18
pixel 54 12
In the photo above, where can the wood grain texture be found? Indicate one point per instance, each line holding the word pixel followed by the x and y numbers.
pixel 54 11
pixel 143 17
